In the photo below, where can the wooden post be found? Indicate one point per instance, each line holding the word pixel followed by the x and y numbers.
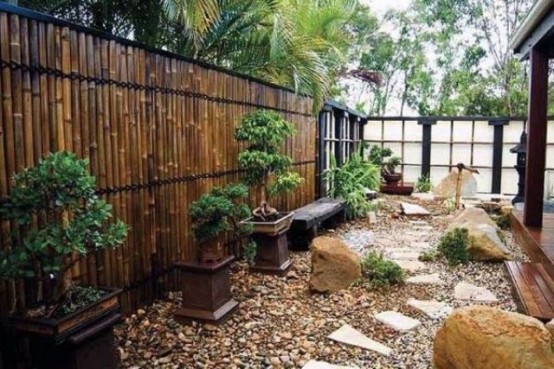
pixel 536 138
pixel 426 146
pixel 496 186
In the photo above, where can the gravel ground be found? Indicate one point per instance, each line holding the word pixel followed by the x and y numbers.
pixel 280 324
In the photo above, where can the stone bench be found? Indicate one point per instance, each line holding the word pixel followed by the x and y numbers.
pixel 326 212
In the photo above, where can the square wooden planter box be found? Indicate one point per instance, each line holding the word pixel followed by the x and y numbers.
pixel 81 340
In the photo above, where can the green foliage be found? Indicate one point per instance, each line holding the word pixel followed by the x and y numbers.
pixel 350 182
pixel 502 221
pixel 429 256
pixel 250 251
pixel 59 215
pixel 220 210
pixel 266 132
pixel 78 298
pixel 424 184
pixel 453 246
pixel 380 271
pixel 383 158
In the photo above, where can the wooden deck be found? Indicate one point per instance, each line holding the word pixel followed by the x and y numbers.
pixel 533 282
pixel 537 242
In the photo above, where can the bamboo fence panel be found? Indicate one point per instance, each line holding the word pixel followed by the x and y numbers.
pixel 157 129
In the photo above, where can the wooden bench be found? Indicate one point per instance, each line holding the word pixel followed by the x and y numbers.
pixel 306 220
pixel 533 288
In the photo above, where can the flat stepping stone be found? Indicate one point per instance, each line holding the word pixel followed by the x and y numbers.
pixel 423 245
pixel 350 336
pixel 314 364
pixel 426 196
pixel 432 308
pixel 468 291
pixel 432 279
pixel 411 265
pixel 424 228
pixel 397 321
pixel 412 209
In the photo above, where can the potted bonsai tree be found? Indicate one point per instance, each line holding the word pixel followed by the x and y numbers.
pixel 388 163
pixel 206 286
pixel 59 220
pixel 268 170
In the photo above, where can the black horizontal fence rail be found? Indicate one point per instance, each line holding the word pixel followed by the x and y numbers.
pixel 426 142
pixel 73 76
pixel 181 179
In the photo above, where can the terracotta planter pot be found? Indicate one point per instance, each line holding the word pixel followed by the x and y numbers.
pixel 392 178
pixel 71 341
pixel 211 251
pixel 271 228
pixel 206 292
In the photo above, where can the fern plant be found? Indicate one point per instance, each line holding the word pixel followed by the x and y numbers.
pixel 350 181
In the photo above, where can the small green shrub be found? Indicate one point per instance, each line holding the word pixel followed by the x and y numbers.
pixel 250 250
pixel 381 272
pixel 424 184
pixel 502 221
pixel 350 181
pixel 453 246
pixel 501 236
pixel 428 256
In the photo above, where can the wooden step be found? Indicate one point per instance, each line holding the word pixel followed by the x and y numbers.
pixel 533 288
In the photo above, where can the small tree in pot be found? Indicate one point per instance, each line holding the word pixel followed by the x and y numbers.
pixel 60 220
pixel 206 283
pixel 214 213
pixel 265 167
pixel 388 163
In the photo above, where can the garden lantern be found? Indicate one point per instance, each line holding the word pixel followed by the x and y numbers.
pixel 521 151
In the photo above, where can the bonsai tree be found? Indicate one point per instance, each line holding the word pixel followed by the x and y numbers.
pixel 218 211
pixel 60 220
pixel 263 163
pixel 383 157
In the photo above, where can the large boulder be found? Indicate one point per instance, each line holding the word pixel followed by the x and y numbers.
pixel 334 265
pixel 482 337
pixel 484 242
pixel 447 186
pixel 471 216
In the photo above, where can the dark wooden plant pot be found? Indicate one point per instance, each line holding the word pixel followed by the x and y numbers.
pixel 211 251
pixel 206 292
pixel 81 340
pixel 272 253
pixel 392 178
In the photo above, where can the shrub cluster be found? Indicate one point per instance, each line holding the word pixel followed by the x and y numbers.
pixel 453 246
pixel 424 184
pixel 380 271
pixel 350 182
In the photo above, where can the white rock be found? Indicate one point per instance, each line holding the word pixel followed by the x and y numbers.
pixel 372 217
pixel 412 209
pixel 419 222
pixel 411 265
pixel 425 196
pixel 314 364
pixel 433 279
pixel 421 246
pixel 397 321
pixel 433 309
pixel 350 336
pixel 467 291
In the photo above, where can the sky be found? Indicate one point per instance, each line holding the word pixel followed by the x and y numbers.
pixel 380 7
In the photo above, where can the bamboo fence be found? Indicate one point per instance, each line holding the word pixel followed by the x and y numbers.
pixel 157 128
